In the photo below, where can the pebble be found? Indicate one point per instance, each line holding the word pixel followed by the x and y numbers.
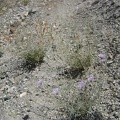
pixel 23 94
pixel 109 62
pixel 24 38
pixel 6 98
pixel 26 117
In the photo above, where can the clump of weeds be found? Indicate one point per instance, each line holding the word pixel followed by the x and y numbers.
pixel 33 57
pixel 78 63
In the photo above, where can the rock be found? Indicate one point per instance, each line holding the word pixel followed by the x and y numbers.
pixel 109 62
pixel 6 98
pixel 32 11
pixel 23 94
pixel 24 38
pixel 26 117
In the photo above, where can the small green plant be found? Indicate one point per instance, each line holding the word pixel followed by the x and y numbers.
pixel 78 63
pixel 25 2
pixel 33 57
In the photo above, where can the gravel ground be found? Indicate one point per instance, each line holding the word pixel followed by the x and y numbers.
pixel 96 22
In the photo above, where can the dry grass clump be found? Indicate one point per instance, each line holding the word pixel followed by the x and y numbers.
pixel 33 57
pixel 78 63
pixel 32 44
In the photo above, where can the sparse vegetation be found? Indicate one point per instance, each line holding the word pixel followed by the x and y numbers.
pixel 78 63
pixel 33 57
pixel 79 107
pixel 69 64
pixel 76 99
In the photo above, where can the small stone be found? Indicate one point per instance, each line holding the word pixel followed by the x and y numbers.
pixel 24 38
pixel 7 98
pixel 28 110
pixel 33 11
pixel 26 14
pixel 12 31
pixel 23 94
pixel 26 117
pixel 109 62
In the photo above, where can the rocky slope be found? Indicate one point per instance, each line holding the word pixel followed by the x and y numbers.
pixel 96 22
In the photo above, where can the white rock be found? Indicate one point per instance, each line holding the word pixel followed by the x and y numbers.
pixel 23 94
pixel 24 38
pixel 26 14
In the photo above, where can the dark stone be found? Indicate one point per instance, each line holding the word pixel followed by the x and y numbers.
pixel 26 117
pixel 6 98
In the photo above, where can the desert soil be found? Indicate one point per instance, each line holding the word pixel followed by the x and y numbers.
pixel 95 21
